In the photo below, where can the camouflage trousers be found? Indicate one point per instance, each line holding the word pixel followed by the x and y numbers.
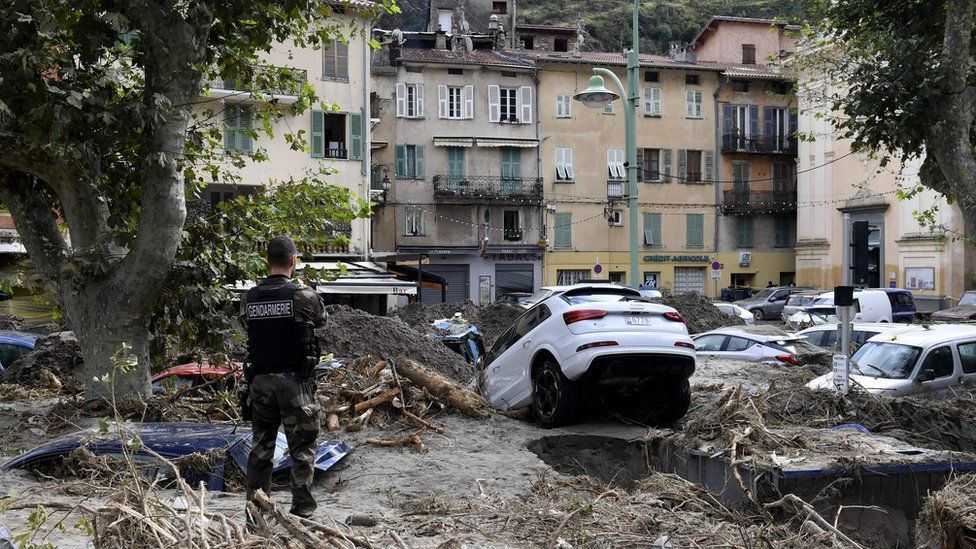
pixel 284 400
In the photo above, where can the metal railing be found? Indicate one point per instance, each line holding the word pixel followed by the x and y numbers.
pixel 513 234
pixel 758 143
pixel 486 186
pixel 267 79
pixel 615 188
pixel 749 201
pixel 336 153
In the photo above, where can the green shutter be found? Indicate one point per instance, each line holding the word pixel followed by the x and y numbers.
pixel 563 230
pixel 744 233
pixel 355 137
pixel 695 230
pixel 419 163
pixel 652 229
pixel 243 129
pixel 401 161
pixel 230 128
pixel 318 134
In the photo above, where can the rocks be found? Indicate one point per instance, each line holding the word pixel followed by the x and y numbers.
pixel 57 354
pixel 699 312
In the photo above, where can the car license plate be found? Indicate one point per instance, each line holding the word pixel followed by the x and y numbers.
pixel 639 320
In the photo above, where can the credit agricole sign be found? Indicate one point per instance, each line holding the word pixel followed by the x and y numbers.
pixel 676 258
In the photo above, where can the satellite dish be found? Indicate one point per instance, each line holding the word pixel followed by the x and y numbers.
pixel 468 45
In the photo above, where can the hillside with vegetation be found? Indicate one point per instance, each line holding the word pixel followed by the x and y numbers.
pixel 607 22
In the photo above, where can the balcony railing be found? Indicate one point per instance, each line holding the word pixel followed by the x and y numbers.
pixel 486 187
pixel 615 188
pixel 513 234
pixel 733 142
pixel 277 82
pixel 748 201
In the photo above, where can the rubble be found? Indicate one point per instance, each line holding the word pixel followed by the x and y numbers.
pixel 699 312
pixel 491 320
pixel 11 322
pixel 57 354
pixel 948 520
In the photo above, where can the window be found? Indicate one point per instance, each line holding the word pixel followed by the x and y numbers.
pixel 499 6
pixel 939 360
pixel 444 19
pixel 778 126
pixel 410 162
pixel 748 54
pixel 457 72
pixel 695 230
pixel 564 164
pixel 528 42
pixel 617 218
pixel 415 223
pixel 237 128
pixel 783 233
pixel 560 44
pixel 220 193
pixel 562 230
pixel 608 108
pixel 455 102
pixel 501 345
pixel 615 164
pixel 815 337
pixel 570 277
pixel 652 102
pixel 711 343
pixel 740 86
pixel 512 225
pixel 690 166
pixel 740 179
pixel 510 104
pixel 693 104
pixel 967 353
pixel 652 229
pixel 743 233
pixel 455 165
pixel 511 167
pixel 563 105
pixel 409 100
pixel 335 61
pixel 738 344
pixel 691 79
pixel 649 164
pixel 652 76
pixel 618 277
pixel 329 136
pixel 782 176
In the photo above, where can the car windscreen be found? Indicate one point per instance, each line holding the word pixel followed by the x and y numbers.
pixel 763 294
pixel 885 360
pixel 968 298
pixel 537 297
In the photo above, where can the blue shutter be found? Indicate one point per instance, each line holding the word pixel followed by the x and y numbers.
pixel 695 230
pixel 401 161
pixel 419 163
pixel 318 134
pixel 727 116
pixel 753 119
pixel 769 123
pixel 355 136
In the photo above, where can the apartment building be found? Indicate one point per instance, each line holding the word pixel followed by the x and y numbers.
pixel 756 135
pixel 339 140
pixel 456 136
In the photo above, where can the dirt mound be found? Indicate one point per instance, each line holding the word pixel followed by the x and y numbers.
pixel 11 322
pixel 353 333
pixel 699 312
pixel 57 353
pixel 491 320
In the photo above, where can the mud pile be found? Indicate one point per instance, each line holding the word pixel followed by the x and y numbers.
pixel 354 333
pixel 491 320
pixel 11 322
pixel 58 354
pixel 699 312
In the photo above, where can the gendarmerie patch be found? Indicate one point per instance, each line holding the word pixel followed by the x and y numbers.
pixel 269 309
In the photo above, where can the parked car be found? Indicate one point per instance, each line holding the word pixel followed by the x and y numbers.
pixel 752 344
pixel 546 292
pixel 769 303
pixel 931 362
pixel 516 298
pixel 592 339
pixel 869 305
pixel 798 302
pixel 902 305
pixel 194 374
pixel 813 315
pixel 14 345
pixel 963 311
pixel 732 309
pixel 826 335
pixel 737 293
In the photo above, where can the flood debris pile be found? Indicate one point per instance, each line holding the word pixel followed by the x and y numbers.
pixel 55 362
pixel 948 519
pixel 491 320
pixel 355 333
pixel 699 312
pixel 11 322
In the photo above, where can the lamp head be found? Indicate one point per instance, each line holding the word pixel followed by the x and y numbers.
pixel 387 184
pixel 597 95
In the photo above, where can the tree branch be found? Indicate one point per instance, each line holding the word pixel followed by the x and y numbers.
pixel 36 222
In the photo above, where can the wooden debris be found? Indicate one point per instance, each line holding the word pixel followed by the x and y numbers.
pixel 377 368
pixel 444 389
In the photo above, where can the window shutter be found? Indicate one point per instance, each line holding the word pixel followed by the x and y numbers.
pixel 243 128
pixel 401 161
pixel 746 173
pixel 611 169
pixel 467 97
pixel 562 230
pixel 355 136
pixel 401 100
pixel 709 167
pixel 648 108
pixel 525 103
pixel 494 104
pixel 640 163
pixel 568 159
pixel 656 227
pixel 648 230
pixel 419 163
pixel 657 105
pixel 560 163
pixel 682 165
pixel 342 59
pixel 793 125
pixel 699 104
pixel 666 169
pixel 689 107
pixel 753 119
pixel 230 128
pixel 420 100
pixel 329 60
pixel 727 117
pixel 694 230
pixel 318 134
pixel 442 101
pixel 769 123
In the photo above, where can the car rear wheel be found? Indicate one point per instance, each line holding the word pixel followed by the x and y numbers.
pixel 555 398
pixel 758 314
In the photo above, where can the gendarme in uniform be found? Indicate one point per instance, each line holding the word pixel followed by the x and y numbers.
pixel 282 351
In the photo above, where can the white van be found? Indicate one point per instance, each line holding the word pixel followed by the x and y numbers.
pixel 869 306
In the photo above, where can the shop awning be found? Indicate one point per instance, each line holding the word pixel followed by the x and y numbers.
pixel 454 142
pixel 507 142
pixel 381 285
pixel 428 280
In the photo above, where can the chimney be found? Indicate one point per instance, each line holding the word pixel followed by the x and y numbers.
pixel 440 40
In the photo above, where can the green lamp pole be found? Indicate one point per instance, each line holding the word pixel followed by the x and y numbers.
pixel 597 96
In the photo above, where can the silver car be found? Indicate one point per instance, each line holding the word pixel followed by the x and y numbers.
pixel 764 344
pixel 931 362
pixel 798 302
pixel 768 304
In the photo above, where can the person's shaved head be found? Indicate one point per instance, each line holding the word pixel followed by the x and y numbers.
pixel 281 252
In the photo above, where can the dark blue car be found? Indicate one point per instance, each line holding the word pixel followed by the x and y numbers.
pixel 14 345
pixel 902 305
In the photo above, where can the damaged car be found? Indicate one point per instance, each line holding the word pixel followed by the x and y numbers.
pixel 592 340
pixel 173 441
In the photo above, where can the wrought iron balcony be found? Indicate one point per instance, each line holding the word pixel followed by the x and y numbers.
pixel 736 142
pixel 616 188
pixel 513 234
pixel 487 187
pixel 753 201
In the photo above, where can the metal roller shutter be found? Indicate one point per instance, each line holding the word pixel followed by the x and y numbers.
pixel 513 277
pixel 689 279
pixel 457 283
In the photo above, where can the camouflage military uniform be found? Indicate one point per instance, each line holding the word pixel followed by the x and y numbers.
pixel 288 400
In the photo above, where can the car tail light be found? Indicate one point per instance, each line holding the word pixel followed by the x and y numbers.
pixel 596 344
pixel 972 316
pixel 570 317
pixel 684 344
pixel 672 315
pixel 789 359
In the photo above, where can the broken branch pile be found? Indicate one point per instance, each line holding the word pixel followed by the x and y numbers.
pixel 948 519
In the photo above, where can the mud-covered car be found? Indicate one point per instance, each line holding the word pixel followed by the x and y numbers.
pixel 964 311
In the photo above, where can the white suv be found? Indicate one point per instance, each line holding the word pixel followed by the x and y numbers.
pixel 599 338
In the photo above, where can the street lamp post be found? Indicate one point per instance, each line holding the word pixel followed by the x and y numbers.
pixel 597 96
